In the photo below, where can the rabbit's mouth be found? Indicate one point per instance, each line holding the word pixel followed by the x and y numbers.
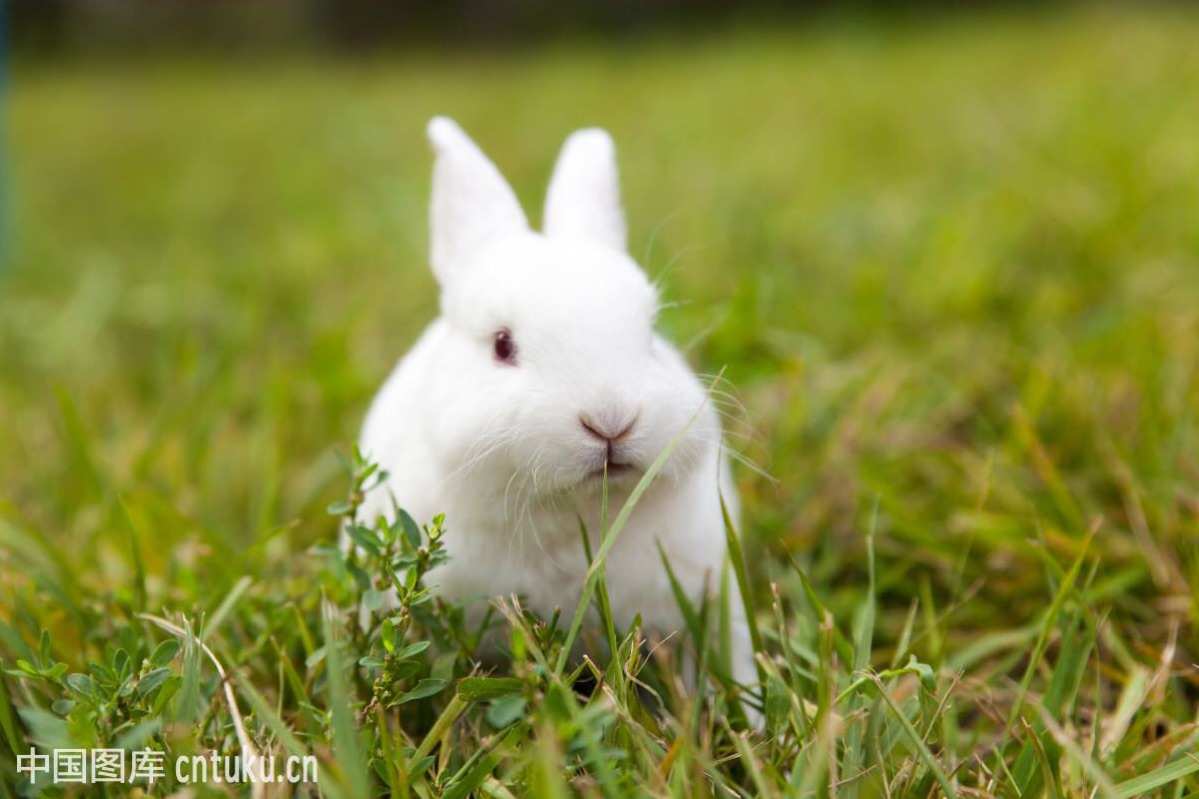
pixel 614 470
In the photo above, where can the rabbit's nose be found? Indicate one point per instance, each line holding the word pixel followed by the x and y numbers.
pixel 607 429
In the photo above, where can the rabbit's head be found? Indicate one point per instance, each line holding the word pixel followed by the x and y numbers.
pixel 548 365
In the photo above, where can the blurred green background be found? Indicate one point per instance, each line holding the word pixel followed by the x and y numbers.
pixel 951 266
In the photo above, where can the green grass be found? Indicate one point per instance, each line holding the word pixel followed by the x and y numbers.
pixel 953 273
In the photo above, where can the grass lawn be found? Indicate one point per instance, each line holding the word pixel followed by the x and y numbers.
pixel 951 271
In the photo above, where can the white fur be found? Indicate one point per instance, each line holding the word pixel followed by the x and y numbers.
pixel 500 449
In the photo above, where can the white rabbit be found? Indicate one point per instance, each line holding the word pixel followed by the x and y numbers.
pixel 544 365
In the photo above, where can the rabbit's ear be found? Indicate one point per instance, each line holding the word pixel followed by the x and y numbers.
pixel 584 194
pixel 471 202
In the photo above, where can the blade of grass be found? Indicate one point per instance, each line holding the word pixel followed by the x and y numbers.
pixel 1144 783
pixel 724 623
pixel 456 707
pixel 733 545
pixel 7 720
pixel 393 758
pixel 473 774
pixel 863 639
pixel 545 778
pixel 1050 776
pixel 346 746
pixel 1048 622
pixel 697 629
pixel 229 602
pixel 746 754
pixel 135 554
pixel 1103 782
pixel 601 588
pixel 820 614
pixel 916 741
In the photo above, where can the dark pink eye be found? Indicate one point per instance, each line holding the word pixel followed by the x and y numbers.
pixel 505 347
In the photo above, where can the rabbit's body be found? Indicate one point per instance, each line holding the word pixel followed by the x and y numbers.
pixel 503 542
pixel 542 368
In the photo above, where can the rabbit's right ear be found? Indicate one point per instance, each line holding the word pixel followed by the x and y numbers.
pixel 584 194
pixel 471 203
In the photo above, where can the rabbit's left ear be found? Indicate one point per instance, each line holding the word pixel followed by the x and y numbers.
pixel 584 195
pixel 472 203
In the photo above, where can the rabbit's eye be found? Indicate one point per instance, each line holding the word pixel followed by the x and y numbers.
pixel 505 347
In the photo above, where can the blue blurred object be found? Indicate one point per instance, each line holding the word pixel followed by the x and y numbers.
pixel 4 231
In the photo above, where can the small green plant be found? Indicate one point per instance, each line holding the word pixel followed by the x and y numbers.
pixel 401 619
